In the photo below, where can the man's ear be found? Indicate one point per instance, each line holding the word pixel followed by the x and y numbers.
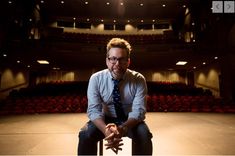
pixel 129 62
pixel 106 60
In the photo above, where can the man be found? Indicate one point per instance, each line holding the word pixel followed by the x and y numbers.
pixel 116 105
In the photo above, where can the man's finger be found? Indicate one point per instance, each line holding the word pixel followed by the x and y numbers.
pixel 115 150
pixel 111 136
pixel 110 125
pixel 113 128
pixel 114 144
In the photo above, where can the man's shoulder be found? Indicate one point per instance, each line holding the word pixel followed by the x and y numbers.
pixel 135 74
pixel 100 74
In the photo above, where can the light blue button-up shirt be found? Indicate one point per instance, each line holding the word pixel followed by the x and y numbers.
pixel 133 90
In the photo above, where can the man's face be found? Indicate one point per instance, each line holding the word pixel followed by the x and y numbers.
pixel 117 62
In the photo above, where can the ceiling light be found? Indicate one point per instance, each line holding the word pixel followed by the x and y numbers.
pixel 215 57
pixel 102 20
pixel 9 2
pixel 4 55
pixel 204 63
pixel 42 1
pixel 42 61
pixel 184 6
pixel 28 66
pixel 56 68
pixel 141 4
pixel 107 3
pixel 87 19
pixel 62 2
pixel 121 3
pixel 142 21
pixel 86 2
pixel 181 63
pixel 114 21
pixel 194 67
pixel 18 61
pixel 163 5
pixel 128 21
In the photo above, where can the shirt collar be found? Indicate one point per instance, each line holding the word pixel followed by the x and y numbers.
pixel 123 78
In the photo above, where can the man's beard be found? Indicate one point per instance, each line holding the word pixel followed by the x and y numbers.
pixel 118 73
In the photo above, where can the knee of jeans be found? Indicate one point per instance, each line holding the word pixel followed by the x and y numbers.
pixel 83 135
pixel 89 135
pixel 143 133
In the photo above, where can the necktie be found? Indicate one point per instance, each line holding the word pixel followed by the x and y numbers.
pixel 117 102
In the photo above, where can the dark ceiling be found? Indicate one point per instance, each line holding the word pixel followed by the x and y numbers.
pixel 19 17
pixel 121 10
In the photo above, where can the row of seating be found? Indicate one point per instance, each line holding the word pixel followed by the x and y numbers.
pixel 187 103
pixel 103 38
pixel 80 87
pixel 45 104
pixel 74 103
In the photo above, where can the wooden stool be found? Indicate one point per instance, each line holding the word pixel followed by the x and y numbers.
pixel 100 152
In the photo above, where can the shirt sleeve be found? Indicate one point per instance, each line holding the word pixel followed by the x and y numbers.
pixel 94 109
pixel 139 101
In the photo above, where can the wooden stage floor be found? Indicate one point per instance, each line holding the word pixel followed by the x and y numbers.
pixel 173 134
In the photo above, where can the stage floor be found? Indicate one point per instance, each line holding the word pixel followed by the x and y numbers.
pixel 173 134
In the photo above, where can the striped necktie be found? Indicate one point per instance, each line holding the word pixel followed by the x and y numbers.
pixel 117 102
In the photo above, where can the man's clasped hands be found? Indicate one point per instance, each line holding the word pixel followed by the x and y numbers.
pixel 113 136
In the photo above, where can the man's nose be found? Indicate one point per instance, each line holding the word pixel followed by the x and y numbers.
pixel 118 61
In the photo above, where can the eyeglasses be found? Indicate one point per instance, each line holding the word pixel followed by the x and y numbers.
pixel 122 60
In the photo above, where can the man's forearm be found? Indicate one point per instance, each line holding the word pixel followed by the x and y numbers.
pixel 123 128
pixel 100 124
pixel 131 122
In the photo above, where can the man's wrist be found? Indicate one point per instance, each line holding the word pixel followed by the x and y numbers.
pixel 124 129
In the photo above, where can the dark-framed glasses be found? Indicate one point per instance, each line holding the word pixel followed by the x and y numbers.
pixel 122 60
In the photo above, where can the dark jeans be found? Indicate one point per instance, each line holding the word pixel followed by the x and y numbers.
pixel 140 135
